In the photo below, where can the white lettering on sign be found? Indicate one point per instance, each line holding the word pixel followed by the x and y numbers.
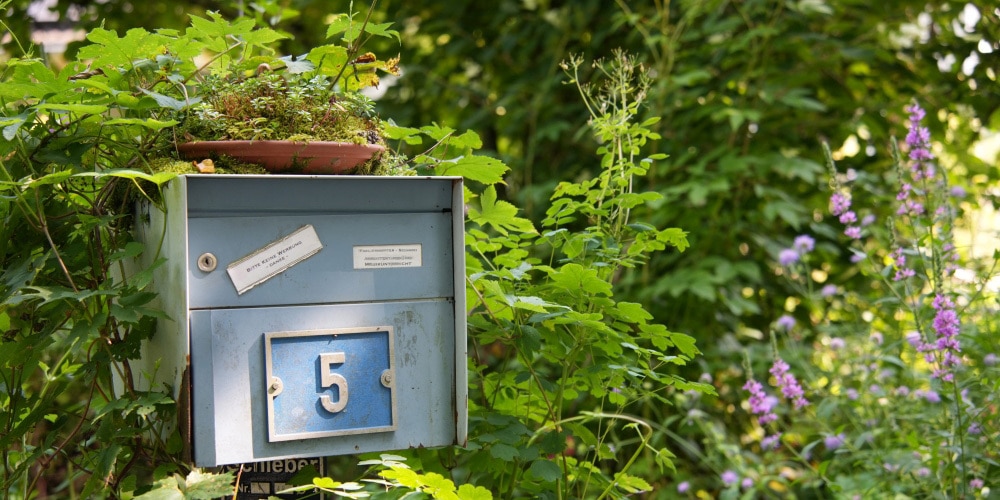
pixel 330 379
pixel 274 259
pixel 387 256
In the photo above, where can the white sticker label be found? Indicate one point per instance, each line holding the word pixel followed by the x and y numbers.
pixel 387 256
pixel 274 259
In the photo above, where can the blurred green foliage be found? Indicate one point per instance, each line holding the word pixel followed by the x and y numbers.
pixel 746 91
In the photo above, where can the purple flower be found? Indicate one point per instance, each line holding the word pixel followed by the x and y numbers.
pixel 729 477
pixel 746 483
pixel 788 257
pixel 867 220
pixel 785 322
pixel 946 325
pixel 834 442
pixel 990 359
pixel 918 138
pixel 683 487
pixel 848 217
pixel 788 384
pixel 839 203
pixel 760 403
pixel 828 291
pixel 958 192
pixel 771 442
pixel 837 343
pixel 877 338
pixel 903 391
pixel 922 472
pixel 976 484
pixel 853 232
pixel 929 395
pixel 851 394
pixel 804 244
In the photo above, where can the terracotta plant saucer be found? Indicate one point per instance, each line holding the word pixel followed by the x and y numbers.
pixel 286 156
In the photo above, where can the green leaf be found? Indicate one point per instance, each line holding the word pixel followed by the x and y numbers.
pixel 381 29
pixel 470 492
pixel 580 280
pixel 340 23
pixel 797 98
pixel 110 51
pixel 164 489
pixel 328 59
pixel 149 123
pixel 631 484
pixel 205 485
pixel 504 452
pixel 475 168
pixel 546 470
pixel 158 178
pixel 499 214
pixel 685 343
pixel 168 102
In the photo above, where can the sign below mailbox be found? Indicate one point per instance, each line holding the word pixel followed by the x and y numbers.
pixel 334 382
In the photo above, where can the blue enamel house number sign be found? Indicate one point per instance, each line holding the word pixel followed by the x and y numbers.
pixel 309 315
pixel 352 377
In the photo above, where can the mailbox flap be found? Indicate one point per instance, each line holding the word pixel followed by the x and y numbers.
pixel 353 378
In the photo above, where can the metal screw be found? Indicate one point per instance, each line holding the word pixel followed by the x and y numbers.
pixel 386 378
pixel 276 386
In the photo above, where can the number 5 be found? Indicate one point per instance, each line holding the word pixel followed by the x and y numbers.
pixel 330 379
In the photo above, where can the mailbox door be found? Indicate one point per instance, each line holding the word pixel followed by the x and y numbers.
pixel 299 381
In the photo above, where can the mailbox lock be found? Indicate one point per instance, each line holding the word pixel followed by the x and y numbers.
pixel 207 262
pixel 386 378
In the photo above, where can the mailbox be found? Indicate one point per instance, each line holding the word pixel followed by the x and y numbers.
pixel 310 315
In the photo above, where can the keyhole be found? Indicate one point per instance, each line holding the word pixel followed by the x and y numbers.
pixel 207 262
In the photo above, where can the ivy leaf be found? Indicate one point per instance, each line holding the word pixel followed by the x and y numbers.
pixel 499 214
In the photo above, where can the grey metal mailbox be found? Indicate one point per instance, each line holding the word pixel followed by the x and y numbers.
pixel 310 315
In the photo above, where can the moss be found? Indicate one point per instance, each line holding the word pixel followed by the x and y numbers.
pixel 269 107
